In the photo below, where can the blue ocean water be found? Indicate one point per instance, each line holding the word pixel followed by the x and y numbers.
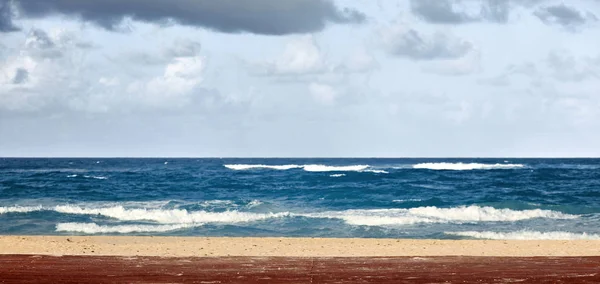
pixel 366 198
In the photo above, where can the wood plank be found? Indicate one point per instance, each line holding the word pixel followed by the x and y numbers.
pixel 117 269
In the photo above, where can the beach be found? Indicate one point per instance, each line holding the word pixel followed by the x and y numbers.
pixel 289 247
pixel 112 259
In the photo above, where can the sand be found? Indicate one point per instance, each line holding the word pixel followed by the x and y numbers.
pixel 287 247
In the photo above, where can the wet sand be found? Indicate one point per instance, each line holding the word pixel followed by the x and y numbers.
pixel 54 259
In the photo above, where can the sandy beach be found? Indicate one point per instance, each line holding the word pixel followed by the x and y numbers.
pixel 124 259
pixel 288 247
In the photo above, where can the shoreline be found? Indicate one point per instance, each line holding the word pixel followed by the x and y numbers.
pixel 288 247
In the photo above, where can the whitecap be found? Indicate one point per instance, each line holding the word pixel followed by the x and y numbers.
pixel 93 228
pixel 324 168
pixel 432 214
pixel 337 175
pixel 20 209
pixel 526 235
pixel 241 167
pixel 95 177
pixel 465 166
pixel 169 216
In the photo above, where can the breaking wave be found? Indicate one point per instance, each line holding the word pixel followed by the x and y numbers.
pixel 362 217
pixel 465 166
pixel 19 209
pixel 462 214
pixel 241 167
pixel 169 216
pixel 93 228
pixel 526 235
pixel 308 168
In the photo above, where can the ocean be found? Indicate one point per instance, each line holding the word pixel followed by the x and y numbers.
pixel 341 198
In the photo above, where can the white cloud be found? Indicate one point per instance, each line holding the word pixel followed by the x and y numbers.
pixel 301 56
pixel 174 87
pixel 323 93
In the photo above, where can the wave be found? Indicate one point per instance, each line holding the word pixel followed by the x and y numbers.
pixel 242 167
pixel 19 209
pixel 366 217
pixel 465 166
pixel 462 214
pixel 95 177
pixel 169 216
pixel 337 175
pixel 93 228
pixel 308 168
pixel 324 168
pixel 526 235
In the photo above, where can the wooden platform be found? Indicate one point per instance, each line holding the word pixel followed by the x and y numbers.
pixel 112 269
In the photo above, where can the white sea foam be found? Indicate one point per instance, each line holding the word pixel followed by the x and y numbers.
pixel 95 177
pixel 376 171
pixel 324 168
pixel 308 168
pixel 19 209
pixel 526 235
pixel 241 167
pixel 93 228
pixel 465 166
pixel 169 216
pixel 254 203
pixel 337 175
pixel 407 200
pixel 209 203
pixel 71 176
pixel 462 214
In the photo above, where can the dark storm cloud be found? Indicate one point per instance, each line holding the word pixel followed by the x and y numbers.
pixel 6 14
pixel 413 45
pixel 272 17
pixel 446 12
pixel 563 15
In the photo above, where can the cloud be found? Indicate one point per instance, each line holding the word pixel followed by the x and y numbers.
pixel 565 67
pixel 360 61
pixel 465 65
pixel 271 17
pixel 21 76
pixel 301 56
pixel 49 73
pixel 6 14
pixel 457 12
pixel 323 93
pixel 565 16
pixel 407 42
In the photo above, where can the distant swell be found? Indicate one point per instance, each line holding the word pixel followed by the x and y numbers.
pixel 93 228
pixel 465 166
pixel 526 235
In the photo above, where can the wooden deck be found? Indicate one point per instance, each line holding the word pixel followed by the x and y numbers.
pixel 112 269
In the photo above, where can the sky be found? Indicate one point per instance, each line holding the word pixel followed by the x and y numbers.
pixel 300 78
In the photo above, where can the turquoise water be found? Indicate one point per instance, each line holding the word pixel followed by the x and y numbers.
pixel 371 198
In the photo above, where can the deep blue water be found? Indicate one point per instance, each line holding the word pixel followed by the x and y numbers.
pixel 374 198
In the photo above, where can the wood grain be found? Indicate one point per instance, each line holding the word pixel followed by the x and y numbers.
pixel 119 269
